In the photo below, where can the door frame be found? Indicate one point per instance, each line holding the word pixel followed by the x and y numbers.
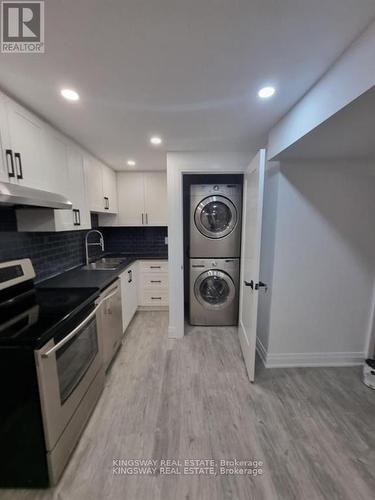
pixel 179 164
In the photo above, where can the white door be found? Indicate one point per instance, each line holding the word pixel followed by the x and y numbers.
pixel 250 259
pixel 131 199
pixel 155 185
pixel 26 138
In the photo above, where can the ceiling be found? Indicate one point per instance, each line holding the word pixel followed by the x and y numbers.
pixel 188 70
pixel 349 134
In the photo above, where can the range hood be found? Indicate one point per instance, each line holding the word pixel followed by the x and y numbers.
pixel 13 194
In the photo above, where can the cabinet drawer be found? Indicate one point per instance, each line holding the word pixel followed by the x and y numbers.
pixel 154 281
pixel 154 298
pixel 154 266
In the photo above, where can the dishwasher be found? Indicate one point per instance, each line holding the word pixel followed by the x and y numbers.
pixel 110 322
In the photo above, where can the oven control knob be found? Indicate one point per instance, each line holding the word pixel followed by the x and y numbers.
pixel 216 188
pixel 214 263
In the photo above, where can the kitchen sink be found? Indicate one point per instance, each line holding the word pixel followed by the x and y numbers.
pixel 104 264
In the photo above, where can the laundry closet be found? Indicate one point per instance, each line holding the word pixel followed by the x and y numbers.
pixel 212 221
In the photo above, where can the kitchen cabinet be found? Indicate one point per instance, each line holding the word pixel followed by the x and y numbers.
pixel 155 189
pixel 45 220
pixel 109 189
pixel 25 147
pixel 130 199
pixel 101 186
pixel 153 283
pixel 129 294
pixel 4 172
pixel 94 184
pixel 79 217
pixel 142 199
pixel 56 161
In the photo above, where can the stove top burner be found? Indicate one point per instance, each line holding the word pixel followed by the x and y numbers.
pixel 32 319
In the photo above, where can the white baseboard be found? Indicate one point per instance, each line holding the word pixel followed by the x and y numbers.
pixel 293 360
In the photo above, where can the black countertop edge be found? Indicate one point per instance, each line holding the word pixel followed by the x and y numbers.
pixel 100 279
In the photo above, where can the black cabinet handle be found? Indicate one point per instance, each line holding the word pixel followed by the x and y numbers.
pixel 130 273
pixel 146 218
pixel 79 217
pixel 75 217
pixel 142 219
pixel 106 204
pixel 10 164
pixel 251 284
pixel 155 298
pixel 17 159
pixel 154 267
pixel 155 281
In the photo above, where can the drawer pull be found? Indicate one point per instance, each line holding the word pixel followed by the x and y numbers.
pixel 155 267
pixel 155 281
pixel 155 298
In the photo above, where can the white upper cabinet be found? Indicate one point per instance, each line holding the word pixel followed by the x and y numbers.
pixel 155 185
pixel 101 186
pixel 94 184
pixel 35 219
pixel 26 146
pixel 142 198
pixel 109 189
pixel 131 201
pixel 5 169
pixel 56 161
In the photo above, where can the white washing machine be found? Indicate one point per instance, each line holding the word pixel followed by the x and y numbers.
pixel 215 220
pixel 214 291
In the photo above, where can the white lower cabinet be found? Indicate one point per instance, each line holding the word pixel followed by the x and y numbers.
pixel 153 283
pixel 129 294
pixel 143 284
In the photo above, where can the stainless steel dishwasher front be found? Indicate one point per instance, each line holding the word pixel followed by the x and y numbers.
pixel 110 321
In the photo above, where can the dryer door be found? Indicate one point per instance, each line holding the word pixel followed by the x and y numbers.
pixel 215 217
pixel 214 290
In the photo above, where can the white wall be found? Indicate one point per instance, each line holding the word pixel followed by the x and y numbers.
pixel 351 76
pixel 177 164
pixel 321 297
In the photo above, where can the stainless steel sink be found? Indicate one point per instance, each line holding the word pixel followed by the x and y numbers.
pixel 104 264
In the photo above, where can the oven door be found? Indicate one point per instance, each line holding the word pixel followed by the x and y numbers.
pixel 66 367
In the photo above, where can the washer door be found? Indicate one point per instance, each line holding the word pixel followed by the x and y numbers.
pixel 214 289
pixel 215 217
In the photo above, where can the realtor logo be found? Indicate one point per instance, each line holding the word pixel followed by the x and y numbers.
pixel 22 27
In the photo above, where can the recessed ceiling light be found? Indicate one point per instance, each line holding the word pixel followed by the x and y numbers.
pixel 156 140
pixel 70 94
pixel 131 163
pixel 266 92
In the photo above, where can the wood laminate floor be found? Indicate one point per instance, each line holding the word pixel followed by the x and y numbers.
pixel 314 428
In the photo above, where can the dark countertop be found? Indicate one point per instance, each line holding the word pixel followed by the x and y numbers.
pixel 81 278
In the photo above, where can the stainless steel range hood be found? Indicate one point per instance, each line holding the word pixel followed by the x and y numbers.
pixel 13 194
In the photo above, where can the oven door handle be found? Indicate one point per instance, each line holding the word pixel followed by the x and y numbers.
pixel 77 329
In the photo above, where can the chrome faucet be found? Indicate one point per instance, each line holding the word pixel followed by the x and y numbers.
pixel 98 243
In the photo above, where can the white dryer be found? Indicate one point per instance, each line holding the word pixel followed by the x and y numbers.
pixel 215 220
pixel 214 291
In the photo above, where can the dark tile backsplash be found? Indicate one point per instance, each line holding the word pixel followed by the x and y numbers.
pixel 135 239
pixel 53 253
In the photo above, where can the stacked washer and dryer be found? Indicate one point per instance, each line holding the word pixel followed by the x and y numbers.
pixel 215 249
